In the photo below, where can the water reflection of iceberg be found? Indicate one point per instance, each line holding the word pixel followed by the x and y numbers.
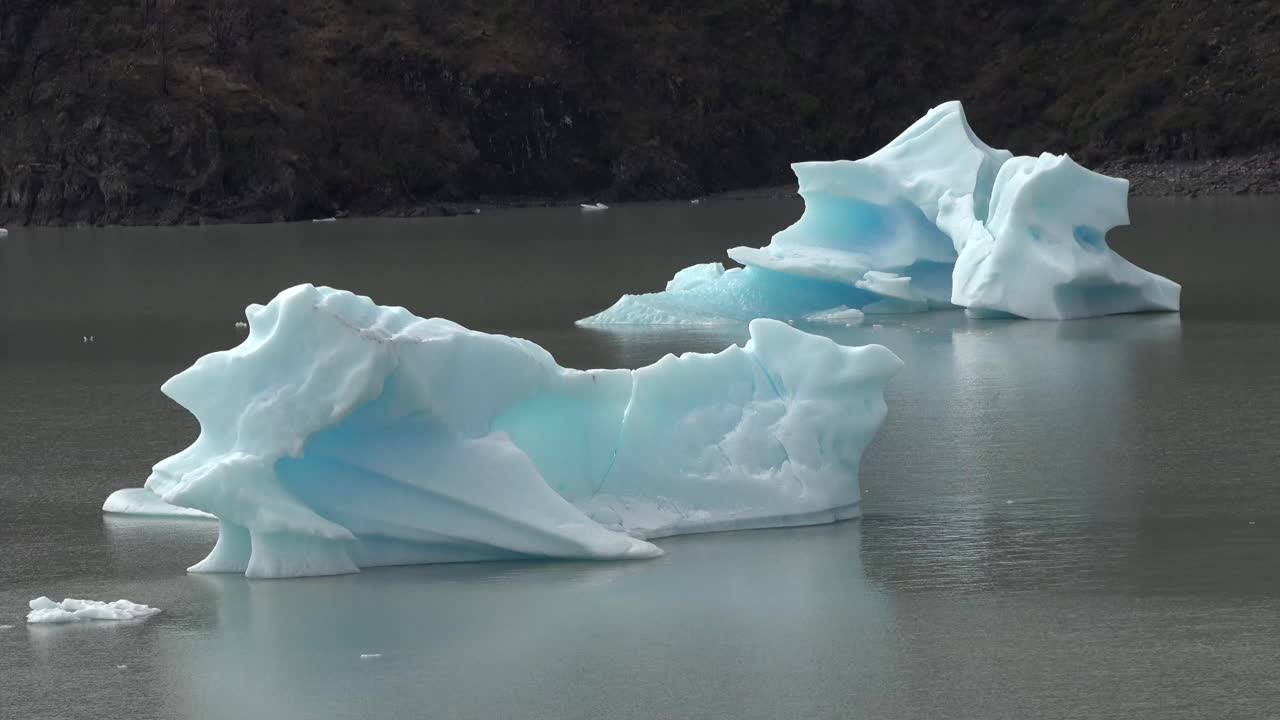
pixel 768 612
pixel 1032 430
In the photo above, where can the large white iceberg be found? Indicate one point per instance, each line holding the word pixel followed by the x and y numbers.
pixel 341 434
pixel 887 234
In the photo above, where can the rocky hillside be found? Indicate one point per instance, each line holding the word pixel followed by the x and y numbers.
pixel 169 111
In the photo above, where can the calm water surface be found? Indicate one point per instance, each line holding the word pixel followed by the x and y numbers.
pixel 1063 520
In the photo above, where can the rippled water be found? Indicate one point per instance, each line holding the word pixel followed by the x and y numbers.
pixel 1063 520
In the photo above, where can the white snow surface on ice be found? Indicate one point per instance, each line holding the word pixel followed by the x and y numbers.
pixel 341 434
pixel 883 234
pixel 44 610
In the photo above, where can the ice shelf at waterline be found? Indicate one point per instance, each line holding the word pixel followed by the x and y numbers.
pixel 341 434
pixel 141 501
pixel 935 219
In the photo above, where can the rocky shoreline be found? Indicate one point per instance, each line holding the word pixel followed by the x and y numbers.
pixel 1257 174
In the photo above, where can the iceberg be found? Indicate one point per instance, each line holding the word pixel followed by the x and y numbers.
pixel 887 234
pixel 341 434
pixel 44 610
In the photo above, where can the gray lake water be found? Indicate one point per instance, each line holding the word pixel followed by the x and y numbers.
pixel 1063 520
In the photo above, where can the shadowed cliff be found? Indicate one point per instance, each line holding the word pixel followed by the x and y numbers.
pixel 170 111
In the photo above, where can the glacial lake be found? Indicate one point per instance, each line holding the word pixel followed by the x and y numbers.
pixel 1062 520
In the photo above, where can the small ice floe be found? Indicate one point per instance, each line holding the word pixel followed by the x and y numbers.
pixel 3 232
pixel 596 207
pixel 44 610
pixel 6 627
pixel 840 315
pixel 328 219
pixel 121 667
pixel 370 656
pixel 695 201
pixel 242 325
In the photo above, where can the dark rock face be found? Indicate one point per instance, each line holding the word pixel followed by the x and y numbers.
pixel 1254 174
pixel 183 111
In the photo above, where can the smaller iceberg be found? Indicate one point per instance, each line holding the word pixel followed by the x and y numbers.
pixel 934 220
pixel 44 610
pixel 341 434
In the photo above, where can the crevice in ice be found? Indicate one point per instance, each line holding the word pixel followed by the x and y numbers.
pixel 767 376
pixel 617 443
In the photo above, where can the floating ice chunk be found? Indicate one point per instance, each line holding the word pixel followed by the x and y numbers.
pixel 1043 253
pixel 3 232
pixel 141 501
pixel 836 316
pixel 594 207
pixel 6 627
pixel 370 656
pixel 340 434
pixel 324 220
pixel 44 610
